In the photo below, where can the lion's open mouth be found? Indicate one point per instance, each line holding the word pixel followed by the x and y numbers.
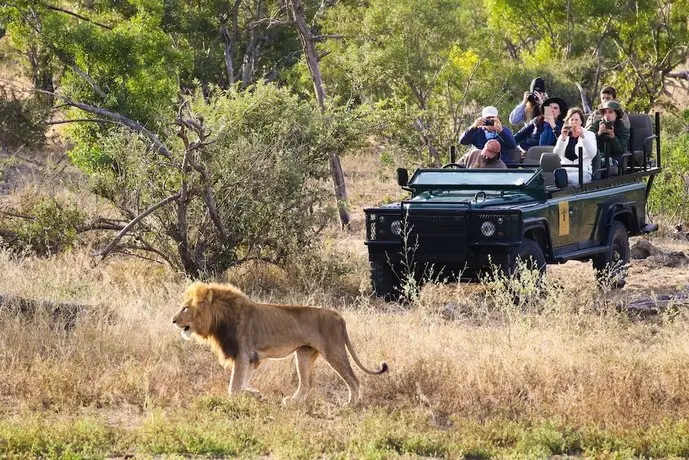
pixel 186 333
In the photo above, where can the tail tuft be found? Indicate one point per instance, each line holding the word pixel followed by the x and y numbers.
pixel 383 368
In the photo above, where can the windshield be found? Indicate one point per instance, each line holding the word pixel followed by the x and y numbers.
pixel 500 177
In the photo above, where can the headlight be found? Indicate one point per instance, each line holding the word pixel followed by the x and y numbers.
pixel 396 227
pixel 488 228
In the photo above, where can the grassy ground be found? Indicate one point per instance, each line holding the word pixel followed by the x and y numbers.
pixel 471 374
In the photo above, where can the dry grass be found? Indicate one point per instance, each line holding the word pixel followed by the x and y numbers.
pixel 460 355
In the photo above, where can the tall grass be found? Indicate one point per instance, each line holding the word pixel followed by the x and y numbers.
pixel 471 372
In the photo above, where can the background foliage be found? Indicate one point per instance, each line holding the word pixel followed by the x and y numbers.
pixel 410 73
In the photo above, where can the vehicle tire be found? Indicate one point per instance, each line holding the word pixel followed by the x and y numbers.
pixel 611 266
pixel 385 281
pixel 531 254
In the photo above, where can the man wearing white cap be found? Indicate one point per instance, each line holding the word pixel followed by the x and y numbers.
pixel 487 127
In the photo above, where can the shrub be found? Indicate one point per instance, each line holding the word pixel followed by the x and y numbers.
pixel 670 191
pixel 21 120
pixel 260 156
pixel 52 227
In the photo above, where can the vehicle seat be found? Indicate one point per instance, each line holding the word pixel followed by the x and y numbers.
pixel 513 156
pixel 533 155
pixel 640 139
pixel 549 163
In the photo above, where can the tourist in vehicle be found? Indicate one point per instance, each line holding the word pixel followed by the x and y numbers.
pixel 572 138
pixel 530 106
pixel 612 135
pixel 544 129
pixel 607 93
pixel 487 157
pixel 487 127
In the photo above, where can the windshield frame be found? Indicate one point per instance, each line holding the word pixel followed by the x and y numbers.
pixel 529 178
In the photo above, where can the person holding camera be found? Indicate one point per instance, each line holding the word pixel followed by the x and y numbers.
pixel 487 127
pixel 488 157
pixel 571 140
pixel 611 134
pixel 607 93
pixel 530 106
pixel 544 129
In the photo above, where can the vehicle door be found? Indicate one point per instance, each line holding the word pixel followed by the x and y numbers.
pixel 563 219
pixel 595 205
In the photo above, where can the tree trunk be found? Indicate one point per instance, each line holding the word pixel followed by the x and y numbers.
pixel 252 45
pixel 311 55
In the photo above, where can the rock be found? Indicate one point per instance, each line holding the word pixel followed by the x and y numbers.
pixel 644 249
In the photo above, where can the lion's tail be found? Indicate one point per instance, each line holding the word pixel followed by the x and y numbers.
pixel 350 348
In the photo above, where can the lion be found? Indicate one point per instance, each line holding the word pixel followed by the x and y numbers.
pixel 244 333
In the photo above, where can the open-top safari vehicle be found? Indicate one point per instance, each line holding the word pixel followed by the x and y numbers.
pixel 462 223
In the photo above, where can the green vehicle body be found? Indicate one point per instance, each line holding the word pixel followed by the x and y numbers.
pixel 462 223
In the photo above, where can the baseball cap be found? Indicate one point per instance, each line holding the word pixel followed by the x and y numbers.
pixel 492 146
pixel 489 111
pixel 538 84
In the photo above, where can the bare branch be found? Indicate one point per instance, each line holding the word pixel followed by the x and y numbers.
pixel 135 221
pixel 92 83
pixel 131 124
pixel 78 16
pixel 321 38
pixel 81 120
pixel 683 75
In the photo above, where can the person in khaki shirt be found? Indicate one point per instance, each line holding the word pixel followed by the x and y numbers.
pixel 488 157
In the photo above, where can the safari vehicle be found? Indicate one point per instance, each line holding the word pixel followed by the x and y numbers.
pixel 462 223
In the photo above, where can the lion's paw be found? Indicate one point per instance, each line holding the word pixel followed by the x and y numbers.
pixel 253 393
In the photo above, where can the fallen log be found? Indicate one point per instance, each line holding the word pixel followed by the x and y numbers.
pixel 65 313
pixel 653 305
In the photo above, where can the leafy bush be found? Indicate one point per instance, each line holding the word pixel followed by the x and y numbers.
pixel 49 227
pixel 21 120
pixel 264 157
pixel 670 191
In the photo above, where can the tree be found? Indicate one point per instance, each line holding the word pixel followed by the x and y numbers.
pixel 312 61
pixel 399 54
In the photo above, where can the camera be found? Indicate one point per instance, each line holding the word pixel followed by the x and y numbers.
pixel 568 130
pixel 489 122
pixel 532 98
pixel 608 124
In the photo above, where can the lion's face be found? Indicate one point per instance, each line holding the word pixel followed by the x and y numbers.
pixel 193 315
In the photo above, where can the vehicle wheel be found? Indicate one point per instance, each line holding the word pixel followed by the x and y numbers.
pixel 528 257
pixel 531 257
pixel 611 266
pixel 385 281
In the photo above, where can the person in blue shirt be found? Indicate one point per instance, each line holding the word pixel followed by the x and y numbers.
pixel 530 106
pixel 487 127
pixel 544 129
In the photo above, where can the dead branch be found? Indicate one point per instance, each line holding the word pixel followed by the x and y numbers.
pixel 135 221
pixel 131 124
pixel 683 75
pixel 78 16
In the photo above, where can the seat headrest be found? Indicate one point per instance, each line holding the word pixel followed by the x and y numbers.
pixel 550 161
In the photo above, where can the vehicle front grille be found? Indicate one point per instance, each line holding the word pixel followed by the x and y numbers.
pixel 439 235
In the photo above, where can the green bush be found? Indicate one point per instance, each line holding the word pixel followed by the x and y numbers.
pixel 51 227
pixel 21 120
pixel 670 191
pixel 266 167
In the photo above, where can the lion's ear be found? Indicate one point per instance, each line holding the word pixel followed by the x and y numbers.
pixel 209 296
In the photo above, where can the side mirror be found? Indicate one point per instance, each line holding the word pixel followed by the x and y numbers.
pixel 402 177
pixel 560 175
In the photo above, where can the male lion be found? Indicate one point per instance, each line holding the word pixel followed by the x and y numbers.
pixel 245 333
